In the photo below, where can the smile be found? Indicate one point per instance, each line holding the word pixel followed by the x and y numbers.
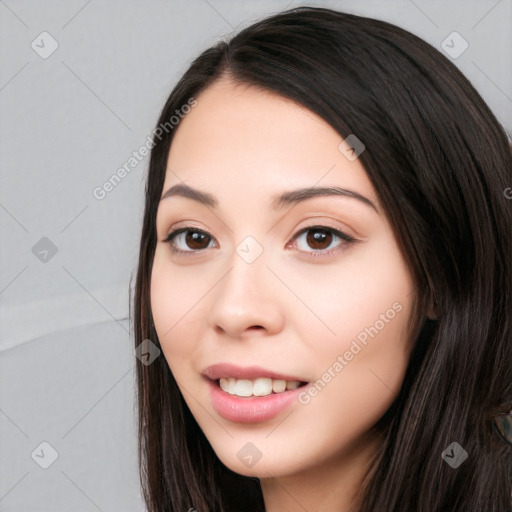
pixel 261 386
pixel 250 394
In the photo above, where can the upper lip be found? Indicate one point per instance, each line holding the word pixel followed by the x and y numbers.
pixel 217 371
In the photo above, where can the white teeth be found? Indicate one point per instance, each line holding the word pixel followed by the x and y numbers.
pixel 278 386
pixel 261 386
pixel 243 387
pixel 224 384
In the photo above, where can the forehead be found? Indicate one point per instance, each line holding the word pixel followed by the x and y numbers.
pixel 230 113
pixel 258 141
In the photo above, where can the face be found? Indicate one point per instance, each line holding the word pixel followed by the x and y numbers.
pixel 253 296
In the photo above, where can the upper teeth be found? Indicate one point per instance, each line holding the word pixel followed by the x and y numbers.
pixel 257 387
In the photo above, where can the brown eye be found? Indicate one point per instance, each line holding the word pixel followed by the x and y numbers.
pixel 315 240
pixel 319 238
pixel 187 240
pixel 196 240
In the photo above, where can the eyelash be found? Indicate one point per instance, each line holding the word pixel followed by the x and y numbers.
pixel 346 239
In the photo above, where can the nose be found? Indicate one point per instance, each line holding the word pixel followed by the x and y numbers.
pixel 245 301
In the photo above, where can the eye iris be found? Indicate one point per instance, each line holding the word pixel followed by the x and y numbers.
pixel 316 238
pixel 193 237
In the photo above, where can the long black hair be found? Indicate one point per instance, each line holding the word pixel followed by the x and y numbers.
pixel 440 163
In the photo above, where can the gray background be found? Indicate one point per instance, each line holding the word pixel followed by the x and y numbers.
pixel 67 123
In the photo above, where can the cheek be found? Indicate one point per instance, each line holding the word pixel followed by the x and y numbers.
pixel 358 345
pixel 176 296
pixel 364 373
pixel 367 295
pixel 359 373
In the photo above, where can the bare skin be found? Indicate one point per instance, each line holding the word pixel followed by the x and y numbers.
pixel 297 308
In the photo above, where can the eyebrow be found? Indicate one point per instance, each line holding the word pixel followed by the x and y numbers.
pixel 278 202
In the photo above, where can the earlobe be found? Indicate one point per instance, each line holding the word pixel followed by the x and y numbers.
pixel 432 314
pixel 433 310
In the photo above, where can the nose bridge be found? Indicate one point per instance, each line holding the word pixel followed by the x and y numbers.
pixel 245 297
pixel 246 280
pixel 250 250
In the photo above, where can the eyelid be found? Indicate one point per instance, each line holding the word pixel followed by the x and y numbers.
pixel 174 233
pixel 347 239
pixel 326 226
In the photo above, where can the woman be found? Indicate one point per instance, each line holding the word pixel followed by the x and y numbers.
pixel 325 264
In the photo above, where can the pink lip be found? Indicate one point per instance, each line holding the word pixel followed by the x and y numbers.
pixel 253 409
pixel 218 371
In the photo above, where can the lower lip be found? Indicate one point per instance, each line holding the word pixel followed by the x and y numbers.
pixel 252 409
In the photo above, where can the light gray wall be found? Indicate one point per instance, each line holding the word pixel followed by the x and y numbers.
pixel 67 123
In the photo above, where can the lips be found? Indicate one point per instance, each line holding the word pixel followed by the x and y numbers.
pixel 227 370
pixel 250 409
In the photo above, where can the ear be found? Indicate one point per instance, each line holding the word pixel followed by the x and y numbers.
pixel 433 310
